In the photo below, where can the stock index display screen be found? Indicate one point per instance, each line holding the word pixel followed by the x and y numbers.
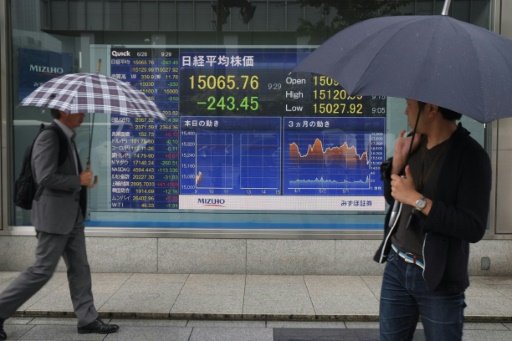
pixel 243 132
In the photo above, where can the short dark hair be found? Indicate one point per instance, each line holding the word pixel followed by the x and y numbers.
pixel 447 114
pixel 55 113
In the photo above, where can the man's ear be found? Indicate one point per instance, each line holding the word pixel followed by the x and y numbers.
pixel 63 116
pixel 432 109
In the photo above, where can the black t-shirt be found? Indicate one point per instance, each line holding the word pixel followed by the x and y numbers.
pixel 425 166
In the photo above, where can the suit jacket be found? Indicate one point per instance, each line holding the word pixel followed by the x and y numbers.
pixel 58 208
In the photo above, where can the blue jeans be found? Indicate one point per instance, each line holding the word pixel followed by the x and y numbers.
pixel 404 297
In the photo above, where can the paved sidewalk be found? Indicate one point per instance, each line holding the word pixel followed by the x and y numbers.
pixel 64 329
pixel 189 307
pixel 248 297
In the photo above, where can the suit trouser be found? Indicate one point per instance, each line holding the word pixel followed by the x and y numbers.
pixel 49 249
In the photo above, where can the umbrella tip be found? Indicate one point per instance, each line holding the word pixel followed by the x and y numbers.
pixel 446 7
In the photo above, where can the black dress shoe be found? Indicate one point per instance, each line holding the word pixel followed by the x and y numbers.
pixel 3 335
pixel 98 327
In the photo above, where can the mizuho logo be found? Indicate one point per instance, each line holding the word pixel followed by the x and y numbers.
pixel 211 201
pixel 46 69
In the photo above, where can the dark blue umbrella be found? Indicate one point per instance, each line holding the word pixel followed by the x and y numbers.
pixel 435 59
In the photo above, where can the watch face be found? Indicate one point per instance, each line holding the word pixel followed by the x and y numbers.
pixel 420 204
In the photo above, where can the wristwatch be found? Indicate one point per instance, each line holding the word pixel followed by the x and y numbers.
pixel 420 204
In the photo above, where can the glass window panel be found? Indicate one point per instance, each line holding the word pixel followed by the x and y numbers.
pixel 205 12
pixel 149 16
pixel 259 20
pixel 59 9
pixel 113 17
pixel 95 15
pixel 131 15
pixel 168 16
pixel 186 27
pixel 186 16
pixel 276 13
pixel 295 12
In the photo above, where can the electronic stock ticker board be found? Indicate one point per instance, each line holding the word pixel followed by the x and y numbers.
pixel 243 132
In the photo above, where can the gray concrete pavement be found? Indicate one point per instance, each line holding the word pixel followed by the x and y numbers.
pixel 239 307
pixel 54 329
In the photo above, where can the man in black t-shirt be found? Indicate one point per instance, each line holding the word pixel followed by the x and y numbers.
pixel 442 179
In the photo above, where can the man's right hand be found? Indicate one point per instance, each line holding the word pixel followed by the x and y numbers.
pixel 402 146
pixel 86 178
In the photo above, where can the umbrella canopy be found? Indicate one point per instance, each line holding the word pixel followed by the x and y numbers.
pixel 435 59
pixel 92 93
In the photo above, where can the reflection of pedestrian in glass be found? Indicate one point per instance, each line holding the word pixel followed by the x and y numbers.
pixel 58 217
pixel 444 191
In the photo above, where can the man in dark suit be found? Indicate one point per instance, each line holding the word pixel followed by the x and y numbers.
pixel 58 215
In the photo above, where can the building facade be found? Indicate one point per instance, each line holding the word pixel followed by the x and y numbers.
pixel 244 174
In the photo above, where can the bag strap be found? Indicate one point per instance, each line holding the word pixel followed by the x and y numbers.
pixel 63 142
pixel 63 145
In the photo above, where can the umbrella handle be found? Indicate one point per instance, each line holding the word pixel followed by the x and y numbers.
pixel 98 66
pixel 94 179
pixel 91 131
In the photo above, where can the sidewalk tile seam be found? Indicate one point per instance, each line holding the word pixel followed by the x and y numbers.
pixel 309 295
pixel 57 289
pixel 245 290
pixel 369 288
pixel 115 291
pixel 27 331
pixel 179 294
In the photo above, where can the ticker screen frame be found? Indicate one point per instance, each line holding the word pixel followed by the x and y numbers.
pixel 248 133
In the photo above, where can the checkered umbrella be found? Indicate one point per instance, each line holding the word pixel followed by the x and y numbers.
pixel 92 93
